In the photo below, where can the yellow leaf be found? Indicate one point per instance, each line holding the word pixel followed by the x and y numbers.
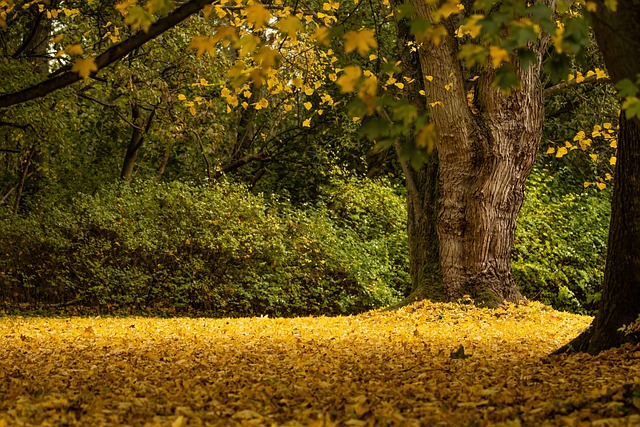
pixel 181 97
pixel 579 77
pixel 84 67
pixel 349 77
pixel 601 185
pixel 608 177
pixel 447 9
pixel 308 105
pixel 308 90
pixel 330 5
pixel 362 41
pixel 263 103
pixel 58 38
pixel 290 26
pixel 74 50
pixel 426 137
pixel 551 150
pixel 203 44
pixel 587 184
pixel 472 27
pixel 257 15
pixel 612 160
pixel 180 421
pixel 306 123
pixel 498 55
pixel 433 104
pixel 561 152
pixel 584 144
pixel 600 74
pixel 429 78
pixel 448 86
pixel 594 157
pixel 579 136
pixel 613 143
pixel 321 35
pixel 267 57
pixel 607 125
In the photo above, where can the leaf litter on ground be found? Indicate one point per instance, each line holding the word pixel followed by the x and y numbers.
pixel 426 364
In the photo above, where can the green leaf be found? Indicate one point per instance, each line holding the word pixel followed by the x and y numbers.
pixel 374 129
pixel 506 78
pixel 419 25
pixel 404 11
pixel 527 57
pixel 558 67
pixel 626 88
pixel 473 54
pixel 631 107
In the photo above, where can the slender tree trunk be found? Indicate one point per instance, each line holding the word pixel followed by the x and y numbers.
pixel 23 179
pixel 166 156
pixel 137 138
pixel 618 36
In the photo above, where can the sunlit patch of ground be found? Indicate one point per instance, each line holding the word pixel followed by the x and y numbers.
pixel 400 368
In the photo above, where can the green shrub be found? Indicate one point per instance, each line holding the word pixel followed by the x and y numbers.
pixel 560 246
pixel 184 247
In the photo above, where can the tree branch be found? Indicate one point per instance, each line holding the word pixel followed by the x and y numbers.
pixel 261 156
pixel 573 83
pixel 107 58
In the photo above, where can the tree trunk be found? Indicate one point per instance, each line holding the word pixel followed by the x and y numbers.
pixel 618 36
pixel 485 154
pixel 421 185
pixel 137 138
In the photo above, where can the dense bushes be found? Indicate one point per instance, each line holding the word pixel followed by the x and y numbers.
pixel 219 250
pixel 225 252
pixel 560 248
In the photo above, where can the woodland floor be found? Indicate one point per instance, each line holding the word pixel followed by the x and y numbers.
pixel 401 368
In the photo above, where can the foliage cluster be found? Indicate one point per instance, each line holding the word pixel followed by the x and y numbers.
pixel 560 246
pixel 219 250
pixel 426 364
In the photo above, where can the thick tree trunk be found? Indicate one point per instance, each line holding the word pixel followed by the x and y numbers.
pixel 620 303
pixel 618 36
pixel 485 154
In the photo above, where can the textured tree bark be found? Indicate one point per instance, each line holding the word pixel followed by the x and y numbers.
pixel 421 185
pixel 618 36
pixel 620 303
pixel 485 154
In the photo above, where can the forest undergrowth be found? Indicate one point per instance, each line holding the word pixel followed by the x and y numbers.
pixel 426 364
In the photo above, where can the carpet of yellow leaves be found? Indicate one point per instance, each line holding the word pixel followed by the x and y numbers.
pixel 400 368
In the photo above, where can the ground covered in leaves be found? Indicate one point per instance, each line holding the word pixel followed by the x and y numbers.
pixel 427 364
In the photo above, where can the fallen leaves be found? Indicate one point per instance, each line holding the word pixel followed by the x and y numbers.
pixel 380 368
